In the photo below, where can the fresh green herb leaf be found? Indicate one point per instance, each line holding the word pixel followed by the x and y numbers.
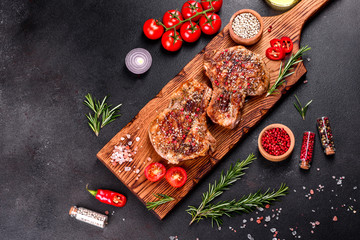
pixel 109 116
pixel 300 109
pixel 245 205
pixel 100 109
pixel 163 198
pixel 234 173
pixel 284 73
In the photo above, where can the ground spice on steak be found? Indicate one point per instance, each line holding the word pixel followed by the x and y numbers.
pixel 275 141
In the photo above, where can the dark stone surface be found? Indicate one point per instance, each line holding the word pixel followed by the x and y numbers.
pixel 52 53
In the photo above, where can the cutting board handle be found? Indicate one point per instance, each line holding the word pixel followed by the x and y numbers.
pixel 304 10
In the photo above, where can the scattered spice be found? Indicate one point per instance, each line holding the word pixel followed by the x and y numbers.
pixel 326 136
pixel 275 141
pixel 307 149
pixel 123 153
pixel 335 218
pixel 246 25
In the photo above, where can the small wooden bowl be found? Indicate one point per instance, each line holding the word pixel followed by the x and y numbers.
pixel 287 153
pixel 246 41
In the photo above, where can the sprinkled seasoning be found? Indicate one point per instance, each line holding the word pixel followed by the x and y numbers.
pixel 246 25
pixel 88 216
pixel 123 152
pixel 326 136
pixel 307 149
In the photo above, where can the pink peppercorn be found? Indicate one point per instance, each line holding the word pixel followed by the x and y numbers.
pixel 275 141
pixel 307 149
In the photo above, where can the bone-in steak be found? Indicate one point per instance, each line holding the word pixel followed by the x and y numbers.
pixel 234 74
pixel 180 131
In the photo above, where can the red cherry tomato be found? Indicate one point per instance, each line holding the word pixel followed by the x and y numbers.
pixel 286 44
pixel 206 4
pixel 152 29
pixel 171 40
pixel 275 43
pixel 190 8
pixel 171 18
pixel 190 32
pixel 275 53
pixel 155 171
pixel 210 23
pixel 176 176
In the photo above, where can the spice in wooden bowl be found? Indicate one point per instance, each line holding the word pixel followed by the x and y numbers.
pixel 276 142
pixel 246 27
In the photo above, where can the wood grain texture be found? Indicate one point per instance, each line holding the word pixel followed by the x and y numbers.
pixel 287 24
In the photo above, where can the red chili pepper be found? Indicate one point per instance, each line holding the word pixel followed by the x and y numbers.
pixel 275 43
pixel 275 53
pixel 286 44
pixel 108 197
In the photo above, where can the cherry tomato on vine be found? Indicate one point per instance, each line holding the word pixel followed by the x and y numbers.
pixel 190 8
pixel 210 23
pixel 171 18
pixel 217 4
pixel 176 176
pixel 155 171
pixel 171 40
pixel 152 29
pixel 190 32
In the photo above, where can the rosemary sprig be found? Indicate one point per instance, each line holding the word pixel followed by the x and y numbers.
pixel 163 199
pixel 232 175
pixel 302 110
pixel 245 204
pixel 284 73
pixel 100 109
pixel 109 116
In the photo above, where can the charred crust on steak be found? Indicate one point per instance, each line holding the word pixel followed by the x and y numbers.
pixel 180 131
pixel 235 73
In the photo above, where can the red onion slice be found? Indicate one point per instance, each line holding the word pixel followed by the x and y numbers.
pixel 138 60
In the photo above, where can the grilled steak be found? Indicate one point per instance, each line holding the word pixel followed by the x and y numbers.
pixel 234 74
pixel 180 131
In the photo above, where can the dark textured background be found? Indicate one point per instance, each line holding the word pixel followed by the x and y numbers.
pixel 52 53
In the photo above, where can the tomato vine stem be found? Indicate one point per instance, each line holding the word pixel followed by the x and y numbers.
pixel 186 20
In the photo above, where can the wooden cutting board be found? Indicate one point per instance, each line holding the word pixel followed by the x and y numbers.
pixel 287 24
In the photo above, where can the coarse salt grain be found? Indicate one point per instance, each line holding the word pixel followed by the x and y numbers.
pixel 137 139
pixel 127 169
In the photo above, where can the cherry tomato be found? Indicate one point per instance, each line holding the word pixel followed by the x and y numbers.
pixel 190 32
pixel 275 43
pixel 176 176
pixel 190 8
pixel 206 4
pixel 155 171
pixel 210 23
pixel 275 53
pixel 171 18
pixel 286 44
pixel 171 40
pixel 152 29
